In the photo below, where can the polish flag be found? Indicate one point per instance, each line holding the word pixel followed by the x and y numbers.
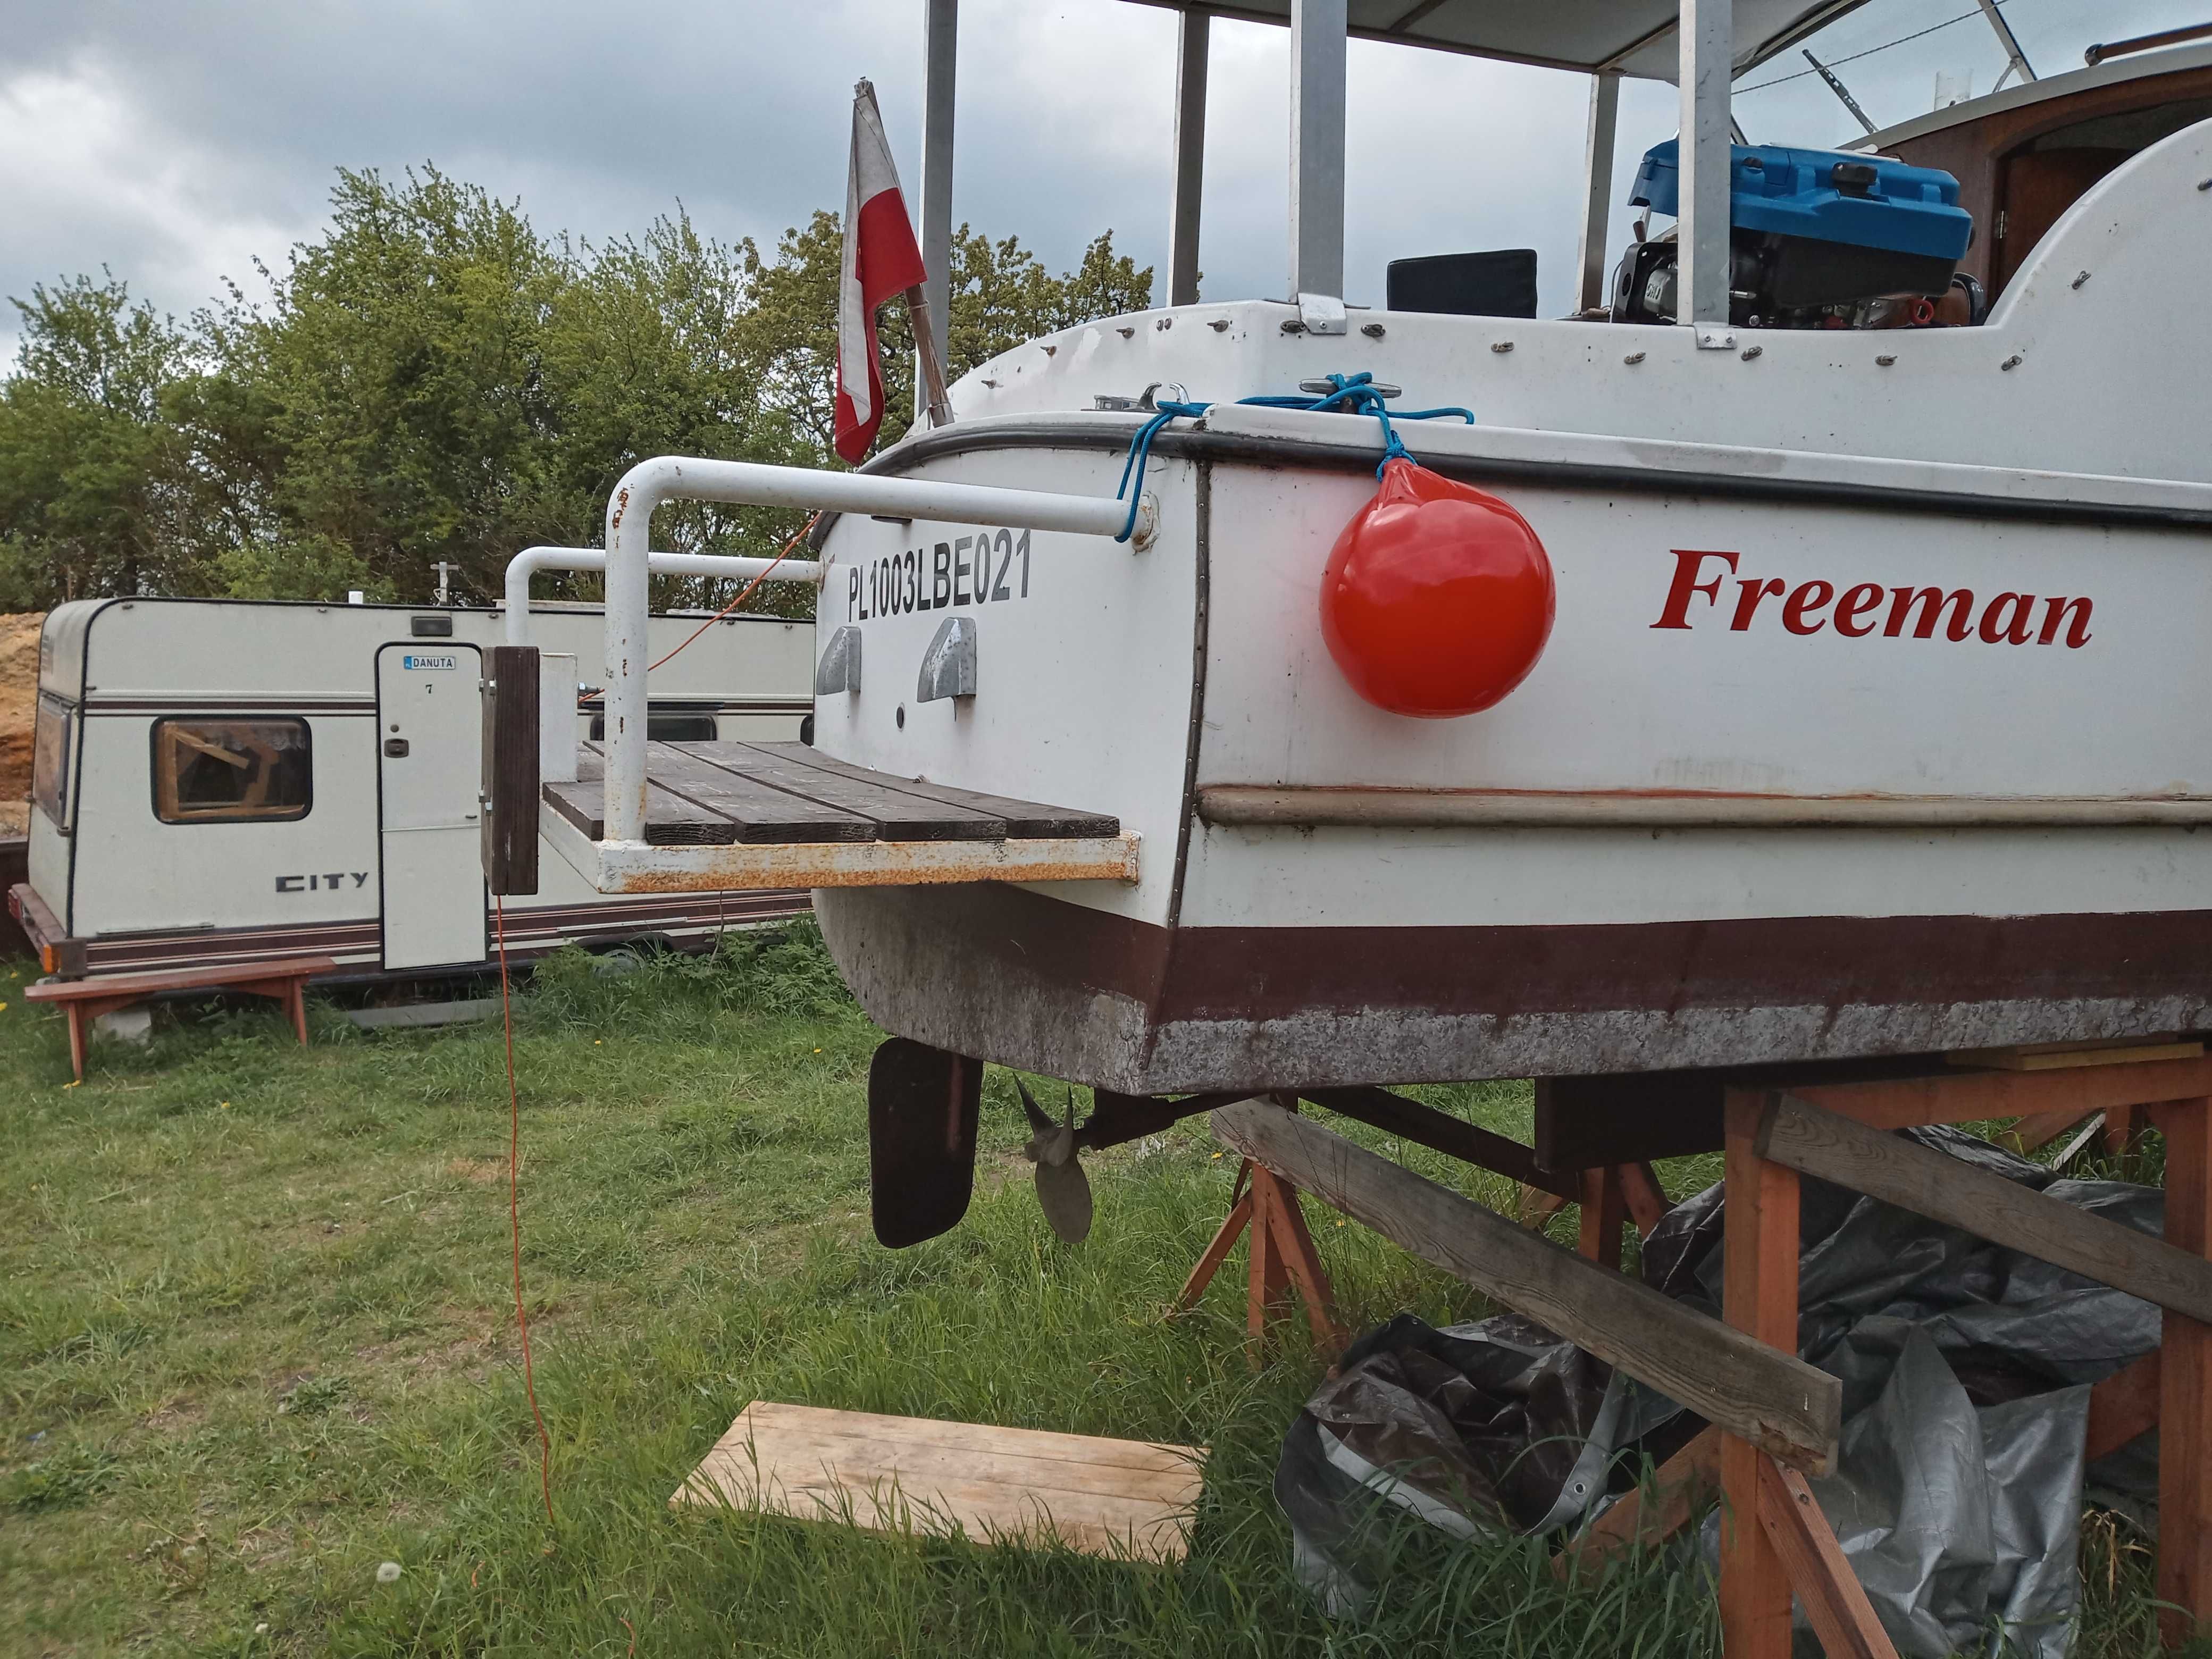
pixel 881 259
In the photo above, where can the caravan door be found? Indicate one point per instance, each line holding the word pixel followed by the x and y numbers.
pixel 430 739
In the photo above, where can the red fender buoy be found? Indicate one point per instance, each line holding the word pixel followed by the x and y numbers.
pixel 1438 598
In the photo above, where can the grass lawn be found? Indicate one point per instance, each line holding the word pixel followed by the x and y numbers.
pixel 256 1337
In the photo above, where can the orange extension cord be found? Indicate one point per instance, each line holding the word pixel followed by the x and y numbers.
pixel 514 1095
pixel 749 588
pixel 515 1210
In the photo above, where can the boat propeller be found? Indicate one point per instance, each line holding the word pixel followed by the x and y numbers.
pixel 1063 1190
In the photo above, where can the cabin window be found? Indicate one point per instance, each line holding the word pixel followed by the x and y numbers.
pixel 665 726
pixel 50 759
pixel 209 769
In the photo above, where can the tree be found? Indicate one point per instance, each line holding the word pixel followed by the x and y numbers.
pixel 1000 296
pixel 85 448
pixel 401 362
pixel 432 380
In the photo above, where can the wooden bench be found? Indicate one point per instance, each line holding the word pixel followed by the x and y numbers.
pixel 84 1000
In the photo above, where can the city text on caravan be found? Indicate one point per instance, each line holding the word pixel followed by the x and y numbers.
pixel 1919 613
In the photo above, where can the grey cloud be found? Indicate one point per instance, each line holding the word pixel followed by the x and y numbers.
pixel 229 117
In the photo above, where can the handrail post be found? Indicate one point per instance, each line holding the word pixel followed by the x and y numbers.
pixel 1703 160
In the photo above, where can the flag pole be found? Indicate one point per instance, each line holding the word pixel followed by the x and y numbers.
pixel 930 393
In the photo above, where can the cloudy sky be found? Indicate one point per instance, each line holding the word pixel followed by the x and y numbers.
pixel 174 142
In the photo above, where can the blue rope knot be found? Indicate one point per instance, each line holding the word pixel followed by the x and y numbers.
pixel 1352 394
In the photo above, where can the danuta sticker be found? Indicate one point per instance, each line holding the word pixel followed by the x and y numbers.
pixel 1956 614
pixel 435 659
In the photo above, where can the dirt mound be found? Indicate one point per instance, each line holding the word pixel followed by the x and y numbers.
pixel 18 700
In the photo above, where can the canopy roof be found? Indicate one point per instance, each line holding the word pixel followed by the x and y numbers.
pixel 1634 37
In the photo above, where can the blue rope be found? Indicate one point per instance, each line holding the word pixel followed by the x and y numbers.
pixel 1353 394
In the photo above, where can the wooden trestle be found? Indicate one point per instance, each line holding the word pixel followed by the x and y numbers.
pixel 1774 1417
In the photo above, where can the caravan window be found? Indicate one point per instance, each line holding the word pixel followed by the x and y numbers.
pixel 208 769
pixel 50 759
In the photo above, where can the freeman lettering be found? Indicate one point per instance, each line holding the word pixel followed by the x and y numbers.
pixel 1701 575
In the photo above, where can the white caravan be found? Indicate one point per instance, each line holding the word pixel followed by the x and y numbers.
pixel 223 781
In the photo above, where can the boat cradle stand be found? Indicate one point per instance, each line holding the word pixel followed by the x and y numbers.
pixel 1774 1417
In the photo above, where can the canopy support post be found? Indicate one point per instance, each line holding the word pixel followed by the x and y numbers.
pixel 1317 111
pixel 1191 43
pixel 939 56
pixel 1708 44
pixel 2018 59
pixel 1597 203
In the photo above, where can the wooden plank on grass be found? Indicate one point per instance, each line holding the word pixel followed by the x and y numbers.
pixel 1943 1188
pixel 893 1474
pixel 1773 1400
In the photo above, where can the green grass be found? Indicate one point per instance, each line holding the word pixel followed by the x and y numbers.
pixel 256 1337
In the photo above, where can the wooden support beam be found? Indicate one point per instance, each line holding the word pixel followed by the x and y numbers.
pixel 2184 1416
pixel 2091 1128
pixel 1677 1491
pixel 1283 1255
pixel 1617 1118
pixel 508 835
pixel 1977 1097
pixel 2039 1127
pixel 1538 1207
pixel 1605 1213
pixel 1758 1294
pixel 1866 1160
pixel 2062 1056
pixel 1728 1377
pixel 1440 1132
pixel 1268 1281
pixel 1835 1602
pixel 1646 1199
pixel 2123 1407
pixel 1302 1260
pixel 1216 1253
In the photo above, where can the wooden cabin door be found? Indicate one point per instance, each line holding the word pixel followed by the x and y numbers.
pixel 2034 187
pixel 429 740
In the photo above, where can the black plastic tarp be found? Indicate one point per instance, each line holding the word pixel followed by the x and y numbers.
pixel 1966 1369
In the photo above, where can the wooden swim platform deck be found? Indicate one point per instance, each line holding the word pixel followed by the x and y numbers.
pixel 733 816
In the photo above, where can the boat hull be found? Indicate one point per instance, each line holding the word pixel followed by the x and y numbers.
pixel 1025 979
pixel 1869 723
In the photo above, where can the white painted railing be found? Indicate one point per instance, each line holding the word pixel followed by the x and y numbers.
pixel 651 485
pixel 531 560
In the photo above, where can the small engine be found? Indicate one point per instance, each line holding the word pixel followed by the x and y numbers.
pixel 1816 239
